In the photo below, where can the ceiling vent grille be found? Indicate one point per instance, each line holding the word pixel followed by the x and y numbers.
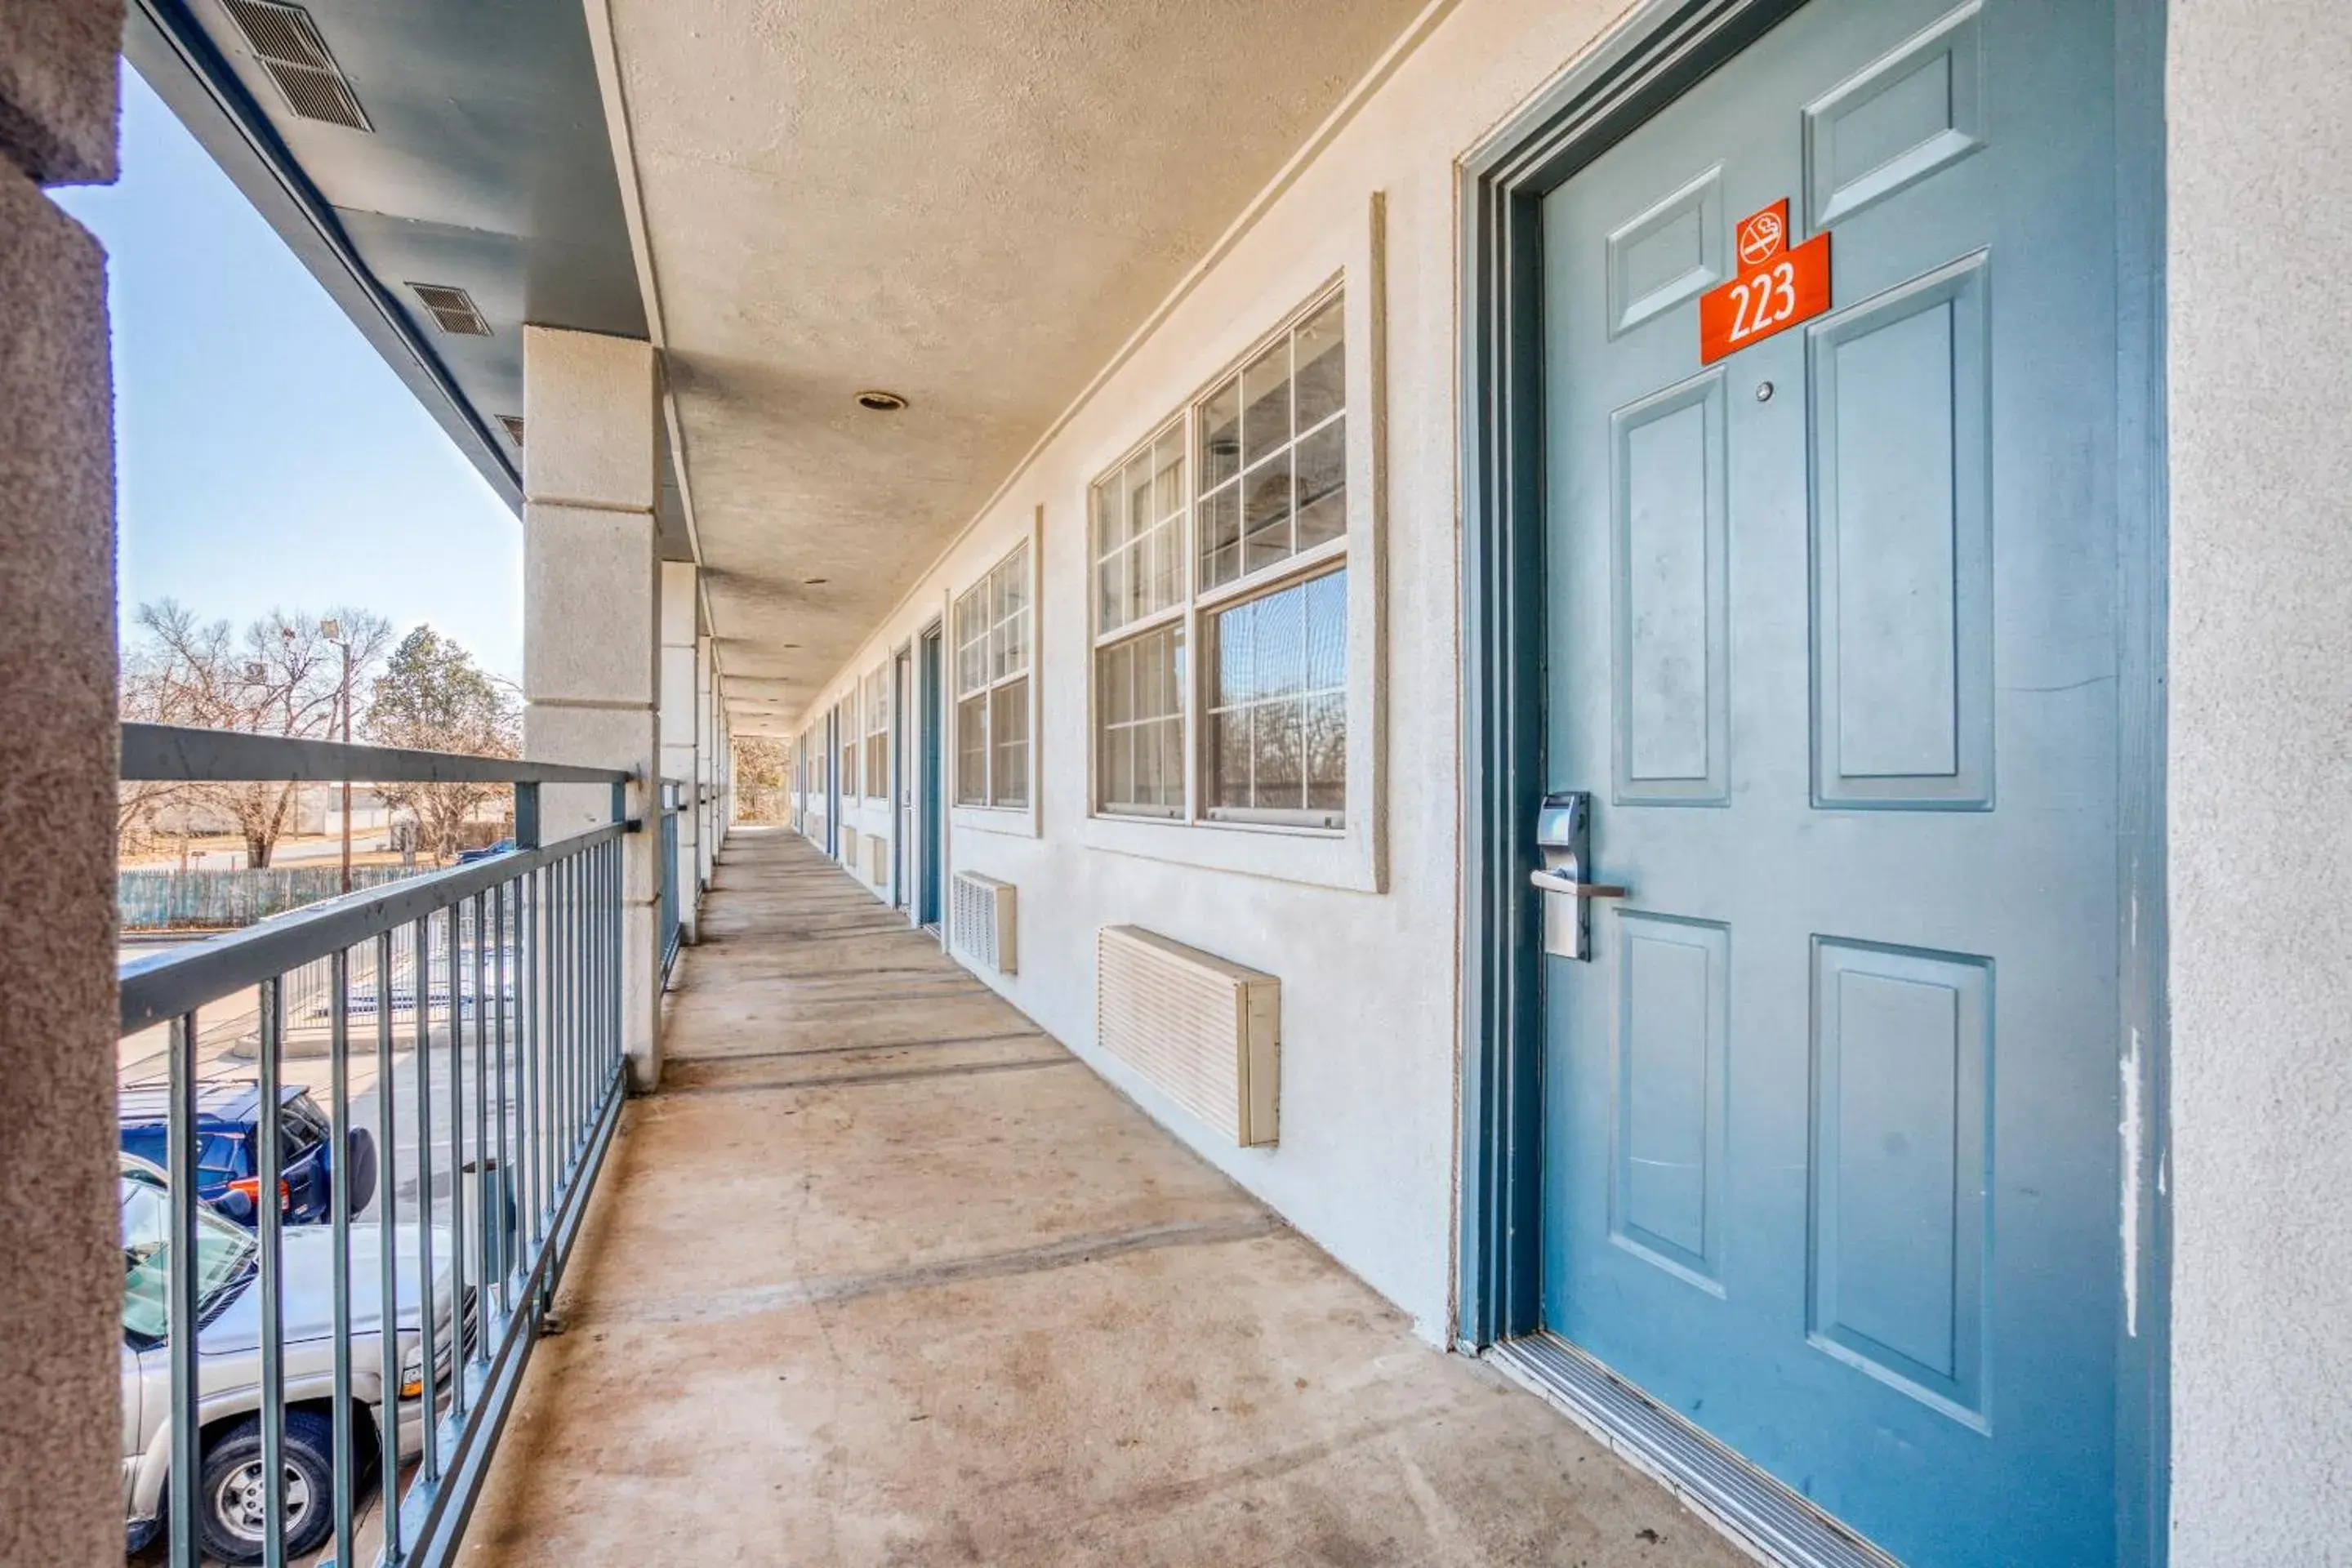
pixel 287 43
pixel 512 423
pixel 452 310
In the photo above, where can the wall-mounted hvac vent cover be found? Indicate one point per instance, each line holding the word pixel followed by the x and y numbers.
pixel 286 44
pixel 512 424
pixel 981 923
pixel 1208 1033
pixel 452 310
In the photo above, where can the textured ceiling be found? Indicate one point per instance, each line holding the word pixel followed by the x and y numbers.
pixel 971 203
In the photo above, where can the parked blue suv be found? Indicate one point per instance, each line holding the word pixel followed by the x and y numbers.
pixel 228 1157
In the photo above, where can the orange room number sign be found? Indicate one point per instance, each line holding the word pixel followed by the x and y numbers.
pixel 1776 288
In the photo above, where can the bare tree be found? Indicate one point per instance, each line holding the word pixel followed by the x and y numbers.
pixel 432 696
pixel 279 677
pixel 760 767
pixel 158 687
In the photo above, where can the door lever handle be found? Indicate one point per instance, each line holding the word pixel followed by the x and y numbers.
pixel 1564 838
pixel 1554 883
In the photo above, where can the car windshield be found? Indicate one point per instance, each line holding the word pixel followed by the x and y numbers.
pixel 222 1252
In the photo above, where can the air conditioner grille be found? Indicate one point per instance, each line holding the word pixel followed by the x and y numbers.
pixel 1205 1031
pixel 981 922
pixel 452 309
pixel 289 46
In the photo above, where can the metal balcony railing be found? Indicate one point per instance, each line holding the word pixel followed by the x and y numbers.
pixel 488 1002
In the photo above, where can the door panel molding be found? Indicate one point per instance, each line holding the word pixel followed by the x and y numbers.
pixel 1930 89
pixel 1671 556
pixel 1901 1168
pixel 1903 688
pixel 1668 1167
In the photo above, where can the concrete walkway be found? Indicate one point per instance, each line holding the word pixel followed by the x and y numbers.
pixel 883 1275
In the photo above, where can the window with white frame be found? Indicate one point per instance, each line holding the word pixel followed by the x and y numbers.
pixel 1261 521
pixel 845 742
pixel 992 721
pixel 877 732
pixel 1140 608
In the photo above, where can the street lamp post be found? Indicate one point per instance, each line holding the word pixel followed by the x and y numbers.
pixel 333 632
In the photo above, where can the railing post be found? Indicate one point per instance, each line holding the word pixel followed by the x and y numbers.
pixel 269 1221
pixel 180 1135
pixel 526 803
pixel 338 1177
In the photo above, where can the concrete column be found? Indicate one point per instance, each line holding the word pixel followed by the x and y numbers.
pixel 2259 157
pixel 61 1289
pixel 680 724
pixel 591 619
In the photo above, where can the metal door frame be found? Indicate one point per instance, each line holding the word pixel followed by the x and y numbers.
pixel 930 808
pixel 1655 56
pixel 902 678
pixel 832 783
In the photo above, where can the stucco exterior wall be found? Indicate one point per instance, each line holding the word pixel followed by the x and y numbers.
pixel 2260 153
pixel 1370 1005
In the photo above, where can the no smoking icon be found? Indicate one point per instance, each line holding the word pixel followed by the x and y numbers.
pixel 1764 234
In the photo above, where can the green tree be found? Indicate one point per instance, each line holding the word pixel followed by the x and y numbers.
pixel 432 696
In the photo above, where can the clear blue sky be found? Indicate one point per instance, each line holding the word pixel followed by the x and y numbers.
pixel 266 455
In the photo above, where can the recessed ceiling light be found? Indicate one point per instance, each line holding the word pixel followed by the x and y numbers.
pixel 880 402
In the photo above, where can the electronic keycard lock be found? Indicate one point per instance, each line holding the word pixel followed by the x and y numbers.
pixel 1563 838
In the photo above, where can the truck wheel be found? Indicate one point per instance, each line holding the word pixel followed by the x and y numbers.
pixel 358 1170
pixel 231 1496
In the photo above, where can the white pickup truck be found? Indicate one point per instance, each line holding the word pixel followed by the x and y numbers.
pixel 231 1498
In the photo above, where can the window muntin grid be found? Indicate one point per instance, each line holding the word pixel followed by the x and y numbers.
pixel 877 704
pixel 1273 473
pixel 844 731
pixel 1140 700
pixel 1277 704
pixel 992 636
pixel 1139 533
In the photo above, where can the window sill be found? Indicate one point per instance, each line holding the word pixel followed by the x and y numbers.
pixel 1012 821
pixel 1274 822
pixel 1137 814
pixel 1315 857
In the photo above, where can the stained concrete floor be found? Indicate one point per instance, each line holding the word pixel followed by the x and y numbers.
pixel 884 1275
